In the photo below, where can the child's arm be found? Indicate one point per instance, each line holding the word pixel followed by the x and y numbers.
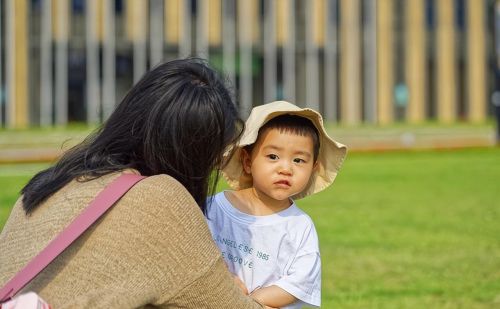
pixel 273 296
pixel 243 288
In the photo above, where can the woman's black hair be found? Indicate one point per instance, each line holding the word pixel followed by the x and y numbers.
pixel 177 120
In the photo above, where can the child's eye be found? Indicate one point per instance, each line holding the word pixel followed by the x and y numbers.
pixel 299 160
pixel 272 156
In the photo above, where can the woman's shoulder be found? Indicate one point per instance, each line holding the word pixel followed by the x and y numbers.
pixel 161 184
pixel 153 189
pixel 161 193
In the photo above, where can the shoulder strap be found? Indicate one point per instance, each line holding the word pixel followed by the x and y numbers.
pixel 101 203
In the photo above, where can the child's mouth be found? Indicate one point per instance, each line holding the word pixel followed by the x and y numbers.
pixel 283 183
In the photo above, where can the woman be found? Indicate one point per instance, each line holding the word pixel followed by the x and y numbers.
pixel 153 247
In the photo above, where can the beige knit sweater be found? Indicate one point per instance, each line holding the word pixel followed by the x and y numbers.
pixel 152 249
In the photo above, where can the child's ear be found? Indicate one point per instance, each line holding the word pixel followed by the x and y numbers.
pixel 246 161
pixel 316 166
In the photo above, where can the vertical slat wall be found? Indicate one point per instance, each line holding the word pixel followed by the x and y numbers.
pixel 202 24
pixel 269 49
pixel 10 57
pixel 92 62
pixel 184 27
pixel 229 42
pixel 286 9
pixel 46 73
pixel 109 56
pixel 62 31
pixel 350 65
pixel 246 36
pixel 17 112
pixel 156 43
pixel 476 61
pixel 336 56
pixel 2 89
pixel 370 61
pixel 446 62
pixel 385 58
pixel 415 65
pixel 313 40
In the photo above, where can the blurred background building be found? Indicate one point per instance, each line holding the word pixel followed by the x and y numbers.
pixel 357 61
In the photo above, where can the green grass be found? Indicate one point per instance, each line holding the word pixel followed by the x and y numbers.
pixel 12 180
pixel 411 230
pixel 55 137
pixel 397 230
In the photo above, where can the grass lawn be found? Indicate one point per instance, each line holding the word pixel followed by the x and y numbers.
pixel 12 180
pixel 397 230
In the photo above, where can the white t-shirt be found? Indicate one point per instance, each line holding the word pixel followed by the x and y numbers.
pixel 279 249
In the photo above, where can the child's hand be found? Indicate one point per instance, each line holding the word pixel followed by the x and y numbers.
pixel 240 284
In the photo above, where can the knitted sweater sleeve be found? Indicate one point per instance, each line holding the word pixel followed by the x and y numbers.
pixel 214 289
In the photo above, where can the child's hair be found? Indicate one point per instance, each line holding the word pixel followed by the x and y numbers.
pixel 292 124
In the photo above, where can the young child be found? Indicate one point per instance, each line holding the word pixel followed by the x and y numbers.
pixel 265 239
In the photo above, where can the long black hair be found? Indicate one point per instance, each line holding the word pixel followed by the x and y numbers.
pixel 177 120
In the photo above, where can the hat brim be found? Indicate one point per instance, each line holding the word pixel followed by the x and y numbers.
pixel 330 157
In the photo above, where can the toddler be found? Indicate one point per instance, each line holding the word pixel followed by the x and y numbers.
pixel 269 243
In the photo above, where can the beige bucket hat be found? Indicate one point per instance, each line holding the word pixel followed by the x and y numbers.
pixel 330 157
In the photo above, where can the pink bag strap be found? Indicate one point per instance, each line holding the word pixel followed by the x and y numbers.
pixel 101 203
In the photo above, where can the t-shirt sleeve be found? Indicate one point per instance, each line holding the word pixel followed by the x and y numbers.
pixel 302 279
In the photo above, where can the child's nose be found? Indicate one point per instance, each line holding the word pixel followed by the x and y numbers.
pixel 285 169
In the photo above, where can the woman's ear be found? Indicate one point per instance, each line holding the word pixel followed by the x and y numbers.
pixel 246 161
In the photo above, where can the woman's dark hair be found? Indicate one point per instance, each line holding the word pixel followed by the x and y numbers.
pixel 177 120
pixel 293 124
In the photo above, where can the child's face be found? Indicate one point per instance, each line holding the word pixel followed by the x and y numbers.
pixel 280 163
